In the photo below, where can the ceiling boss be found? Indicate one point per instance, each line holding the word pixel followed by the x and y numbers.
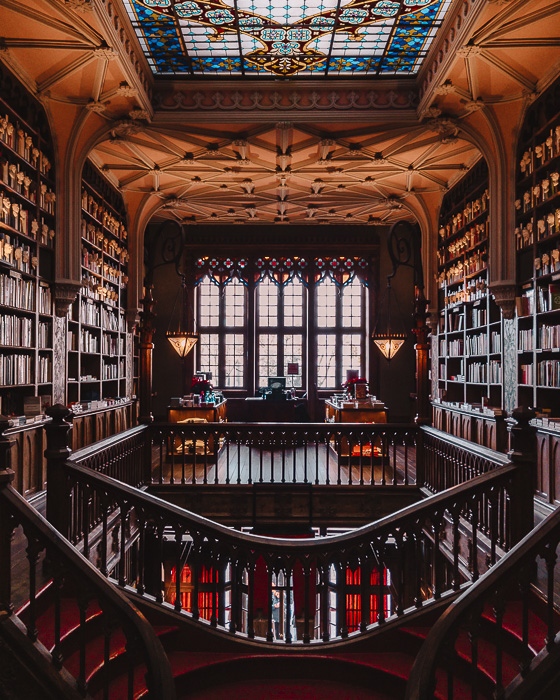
pixel 286 38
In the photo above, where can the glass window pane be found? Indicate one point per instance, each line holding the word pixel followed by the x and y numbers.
pixel 267 304
pixel 234 304
pixel 351 353
pixel 326 304
pixel 293 304
pixel 234 360
pixel 352 296
pixel 209 354
pixel 326 361
pixel 268 358
pixel 209 303
pixel 293 353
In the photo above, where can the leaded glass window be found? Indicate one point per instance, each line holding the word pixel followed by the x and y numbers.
pixel 341 334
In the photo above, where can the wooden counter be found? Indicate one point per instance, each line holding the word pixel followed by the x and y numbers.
pixel 211 413
pixel 336 413
pixel 192 450
pixel 349 453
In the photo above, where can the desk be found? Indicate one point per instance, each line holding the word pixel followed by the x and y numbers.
pixel 190 448
pixel 336 412
pixel 364 412
pixel 211 413
pixel 259 410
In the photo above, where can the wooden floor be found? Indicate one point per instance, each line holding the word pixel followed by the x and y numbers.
pixel 316 465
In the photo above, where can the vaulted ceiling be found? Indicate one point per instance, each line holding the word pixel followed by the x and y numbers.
pixel 286 151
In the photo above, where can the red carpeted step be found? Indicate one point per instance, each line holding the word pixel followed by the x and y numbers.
pixel 295 689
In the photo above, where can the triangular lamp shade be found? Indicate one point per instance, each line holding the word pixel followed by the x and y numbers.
pixel 182 341
pixel 389 346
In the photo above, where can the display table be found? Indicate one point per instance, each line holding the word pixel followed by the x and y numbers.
pixel 190 448
pixel 361 411
pixel 211 413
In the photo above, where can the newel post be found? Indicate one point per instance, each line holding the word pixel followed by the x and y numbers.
pixel 58 450
pixel 6 526
pixel 523 454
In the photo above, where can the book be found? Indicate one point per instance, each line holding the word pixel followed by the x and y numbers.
pixel 554 297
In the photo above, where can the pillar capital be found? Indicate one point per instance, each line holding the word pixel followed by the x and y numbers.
pixel 504 295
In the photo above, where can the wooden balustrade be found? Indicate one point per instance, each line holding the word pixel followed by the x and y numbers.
pixel 73 590
pixel 226 577
pixel 516 602
pixel 317 453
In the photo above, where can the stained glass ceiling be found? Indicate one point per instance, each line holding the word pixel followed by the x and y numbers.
pixel 286 38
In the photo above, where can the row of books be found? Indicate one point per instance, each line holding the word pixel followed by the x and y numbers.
pixel 113 371
pixel 548 373
pixel 16 369
pixel 17 292
pixel 16 330
pixel 549 337
pixel 485 373
pixel 544 298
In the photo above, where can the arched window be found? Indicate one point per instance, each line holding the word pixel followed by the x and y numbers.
pixel 340 331
pixel 281 331
pixel 222 321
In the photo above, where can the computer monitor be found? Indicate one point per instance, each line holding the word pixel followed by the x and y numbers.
pixel 277 383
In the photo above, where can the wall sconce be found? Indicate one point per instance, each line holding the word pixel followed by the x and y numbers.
pixel 181 338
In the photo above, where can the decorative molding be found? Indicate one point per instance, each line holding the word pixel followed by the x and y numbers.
pixel 140 115
pixel 504 295
pixel 65 293
pixel 80 5
pixel 469 50
pixel 105 52
pixel 294 98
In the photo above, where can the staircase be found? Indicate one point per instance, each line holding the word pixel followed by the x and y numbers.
pixel 376 666
pixel 467 610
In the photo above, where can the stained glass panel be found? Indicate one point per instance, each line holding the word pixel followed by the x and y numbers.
pixel 285 38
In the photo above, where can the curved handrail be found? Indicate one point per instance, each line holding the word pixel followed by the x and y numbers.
pixel 510 578
pixel 399 543
pixel 365 532
pixel 66 562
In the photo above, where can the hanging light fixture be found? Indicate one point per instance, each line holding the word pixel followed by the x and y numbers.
pixel 388 335
pixel 181 338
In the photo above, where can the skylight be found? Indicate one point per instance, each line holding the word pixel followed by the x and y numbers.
pixel 286 38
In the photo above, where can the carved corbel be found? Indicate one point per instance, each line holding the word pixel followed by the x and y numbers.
pixel 65 293
pixel 504 296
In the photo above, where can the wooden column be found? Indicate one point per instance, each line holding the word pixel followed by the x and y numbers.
pixel 146 328
pixel 421 332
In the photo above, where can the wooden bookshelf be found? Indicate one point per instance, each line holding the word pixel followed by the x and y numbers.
pixel 97 333
pixel 537 239
pixel 27 232
pixel 470 323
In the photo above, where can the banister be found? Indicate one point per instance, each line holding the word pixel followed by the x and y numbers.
pixel 397 544
pixel 511 572
pixel 61 553
pixel 412 512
